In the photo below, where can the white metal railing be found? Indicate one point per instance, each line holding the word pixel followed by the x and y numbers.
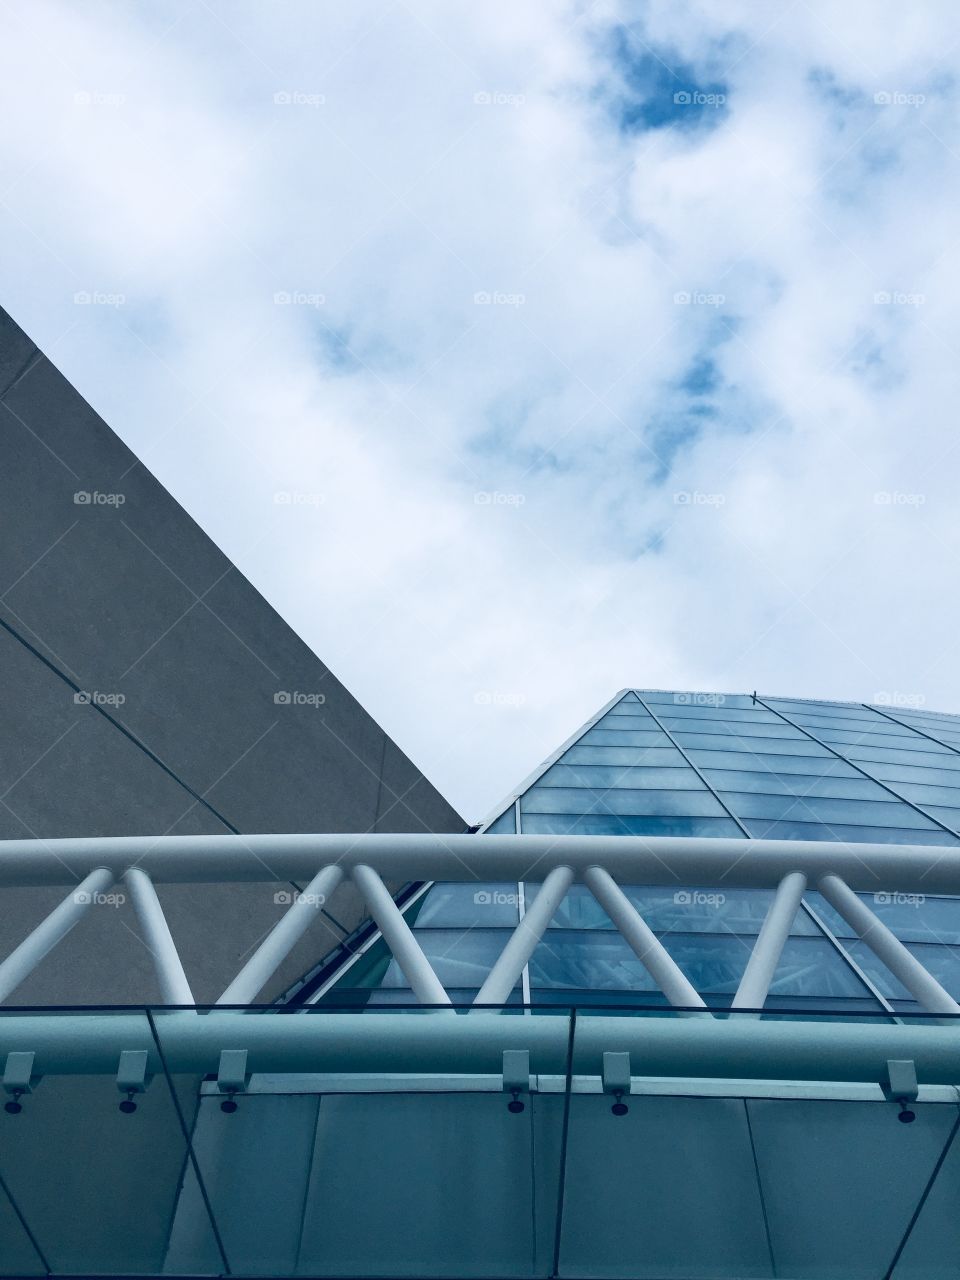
pixel 602 863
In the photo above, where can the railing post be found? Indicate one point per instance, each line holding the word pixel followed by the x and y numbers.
pixel 504 975
pixel 887 947
pixel 282 938
pixel 417 970
pixel 22 961
pixel 173 981
pixel 765 956
pixel 661 966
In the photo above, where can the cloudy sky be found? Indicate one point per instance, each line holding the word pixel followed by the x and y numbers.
pixel 519 353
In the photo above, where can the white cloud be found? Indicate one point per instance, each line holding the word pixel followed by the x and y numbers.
pixel 464 150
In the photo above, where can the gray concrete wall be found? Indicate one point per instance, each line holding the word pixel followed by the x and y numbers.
pixel 133 601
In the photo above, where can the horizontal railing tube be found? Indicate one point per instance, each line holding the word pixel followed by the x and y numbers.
pixel 629 859
pixel 399 1043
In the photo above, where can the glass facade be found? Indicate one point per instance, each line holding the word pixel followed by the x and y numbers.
pixel 736 766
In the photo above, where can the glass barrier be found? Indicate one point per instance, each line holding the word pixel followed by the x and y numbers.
pixel 348 1154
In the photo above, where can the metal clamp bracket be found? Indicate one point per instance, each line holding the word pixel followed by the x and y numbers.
pixel 516 1076
pixel 232 1076
pixel 18 1078
pixel 900 1085
pixel 132 1077
pixel 616 1079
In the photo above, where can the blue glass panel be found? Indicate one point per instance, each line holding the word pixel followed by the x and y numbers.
pixel 888 812
pixel 916 918
pixel 950 817
pixel 704 909
pixel 506 824
pixel 833 921
pixel 460 997
pixel 630 738
pixel 827 765
pixel 948 776
pixel 942 962
pixel 798 784
pixel 578 910
pixel 620 800
pixel 685 909
pixel 814 967
pixel 876 970
pixel 621 724
pixel 850 724
pixel 736 728
pixel 601 824
pixel 598 961
pixel 931 759
pixel 791 706
pixel 761 829
pixel 627 706
pixel 939 734
pixel 733 742
pixel 724 713
pixel 865 720
pixel 466 905
pixel 585 754
pixel 762 747
pixel 913 715
pixel 714 963
pixel 460 957
pixel 923 794
pixel 810 1008
pixel 611 1000
pixel 708 701
pixel 886 742
pixel 611 775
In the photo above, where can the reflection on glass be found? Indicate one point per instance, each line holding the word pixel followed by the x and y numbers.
pixel 702 909
pixel 813 967
pixel 459 957
pixel 762 829
pixel 826 766
pixel 630 738
pixel 619 824
pixel 627 800
pixel 888 812
pixel 483 905
pixel 506 824
pixel 797 784
pixel 606 776
pixel 596 961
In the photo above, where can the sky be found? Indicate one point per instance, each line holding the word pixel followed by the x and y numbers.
pixel 521 353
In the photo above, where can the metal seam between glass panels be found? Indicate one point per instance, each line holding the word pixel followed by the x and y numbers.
pixel 858 765
pixel 653 716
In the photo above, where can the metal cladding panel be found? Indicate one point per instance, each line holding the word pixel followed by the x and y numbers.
pixel 374 1177
pixel 97 1188
pixel 255 1164
pixel 435 1185
pixel 18 1255
pixel 932 1250
pixel 151 689
pixel 841 1181
pixel 667 1190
